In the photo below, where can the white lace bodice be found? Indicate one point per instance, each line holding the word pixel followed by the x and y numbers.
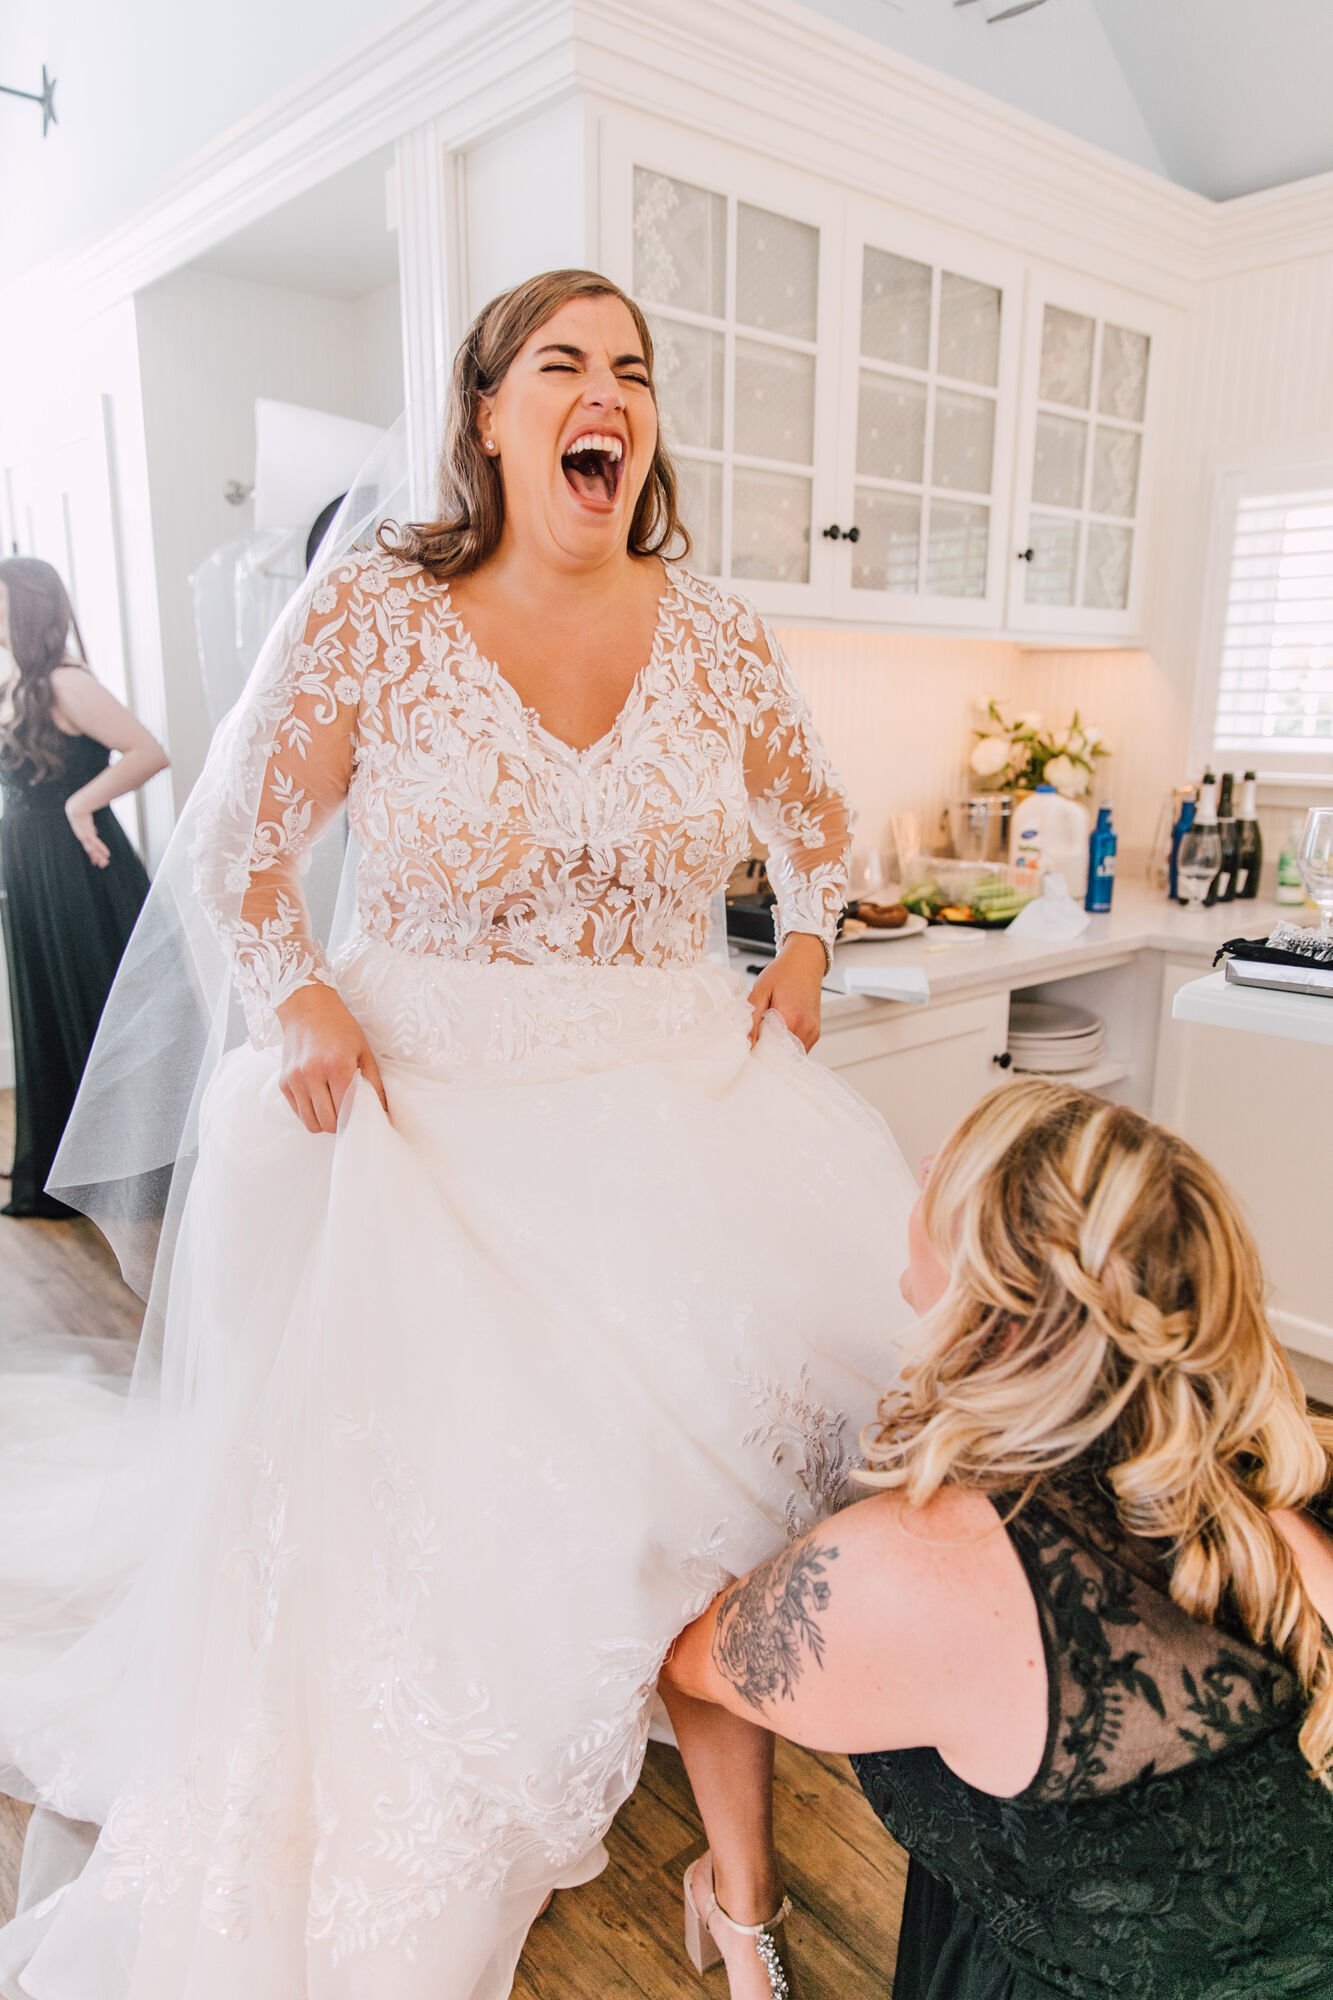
pixel 483 836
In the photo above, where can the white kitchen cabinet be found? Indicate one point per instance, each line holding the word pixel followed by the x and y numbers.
pixel 1093 364
pixel 1256 1107
pixel 927 369
pixel 731 264
pixel 923 1071
pixel 877 418
pixel 1173 1038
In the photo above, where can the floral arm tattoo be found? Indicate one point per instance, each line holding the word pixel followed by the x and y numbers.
pixel 767 1624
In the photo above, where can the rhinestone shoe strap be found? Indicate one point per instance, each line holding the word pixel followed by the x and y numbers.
pixel 763 1941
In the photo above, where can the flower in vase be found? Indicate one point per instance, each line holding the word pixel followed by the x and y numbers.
pixel 990 756
pixel 1069 778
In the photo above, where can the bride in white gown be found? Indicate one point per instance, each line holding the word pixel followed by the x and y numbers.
pixel 532 1279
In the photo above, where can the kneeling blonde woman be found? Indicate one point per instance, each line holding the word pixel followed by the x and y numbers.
pixel 1078 1645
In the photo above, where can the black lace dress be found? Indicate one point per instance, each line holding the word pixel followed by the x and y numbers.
pixel 66 924
pixel 1173 1845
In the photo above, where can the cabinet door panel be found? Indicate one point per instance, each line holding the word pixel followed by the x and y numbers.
pixel 731 262
pixel 925 425
pixel 923 1073
pixel 1092 376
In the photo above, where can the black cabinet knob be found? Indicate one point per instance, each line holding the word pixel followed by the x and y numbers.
pixel 1003 1062
pixel 1027 555
pixel 837 534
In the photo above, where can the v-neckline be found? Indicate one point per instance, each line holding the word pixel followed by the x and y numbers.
pixel 531 715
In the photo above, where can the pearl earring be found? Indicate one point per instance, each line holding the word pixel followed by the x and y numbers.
pixel 490 444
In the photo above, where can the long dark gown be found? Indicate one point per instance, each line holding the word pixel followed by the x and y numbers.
pixel 66 923
pixel 1173 1845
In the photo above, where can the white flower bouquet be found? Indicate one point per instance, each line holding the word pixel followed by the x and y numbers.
pixel 1019 755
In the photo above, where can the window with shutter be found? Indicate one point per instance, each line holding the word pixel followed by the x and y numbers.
pixel 1273 647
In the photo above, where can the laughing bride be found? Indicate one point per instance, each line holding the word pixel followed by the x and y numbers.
pixel 531 1280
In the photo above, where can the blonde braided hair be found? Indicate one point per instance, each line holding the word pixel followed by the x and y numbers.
pixel 1105 1304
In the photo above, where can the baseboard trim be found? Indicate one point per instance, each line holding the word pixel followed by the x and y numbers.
pixel 1307 1336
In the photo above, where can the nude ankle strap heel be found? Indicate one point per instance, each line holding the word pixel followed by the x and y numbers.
pixel 702 1946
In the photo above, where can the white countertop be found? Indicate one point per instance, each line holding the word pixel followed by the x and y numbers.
pixel 961 961
pixel 1257 1010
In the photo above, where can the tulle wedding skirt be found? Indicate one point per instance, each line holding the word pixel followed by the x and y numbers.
pixel 472 1408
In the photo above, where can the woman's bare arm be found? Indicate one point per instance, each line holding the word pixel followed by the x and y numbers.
pixel 89 707
pixel 884 1629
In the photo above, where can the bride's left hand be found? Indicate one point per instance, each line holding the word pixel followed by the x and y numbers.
pixel 791 986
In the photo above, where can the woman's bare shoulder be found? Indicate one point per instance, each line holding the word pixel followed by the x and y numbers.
pixel 882 1628
pixel 75 688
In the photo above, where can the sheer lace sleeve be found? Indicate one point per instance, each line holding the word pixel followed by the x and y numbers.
pixel 288 772
pixel 798 805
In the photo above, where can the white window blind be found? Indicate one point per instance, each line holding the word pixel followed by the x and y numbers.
pixel 1275 671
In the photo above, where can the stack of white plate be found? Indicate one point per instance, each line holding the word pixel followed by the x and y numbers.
pixel 1052 1039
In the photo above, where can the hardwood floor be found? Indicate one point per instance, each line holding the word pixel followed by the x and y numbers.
pixel 58 1276
pixel 620 1937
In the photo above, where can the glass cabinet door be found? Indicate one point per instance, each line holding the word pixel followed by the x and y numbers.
pixel 927 399
pixel 1079 521
pixel 731 291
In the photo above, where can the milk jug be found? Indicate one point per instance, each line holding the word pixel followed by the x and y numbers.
pixel 1048 835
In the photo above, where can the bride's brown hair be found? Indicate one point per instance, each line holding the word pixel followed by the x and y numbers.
pixel 469 503
pixel 1105 1304
pixel 33 747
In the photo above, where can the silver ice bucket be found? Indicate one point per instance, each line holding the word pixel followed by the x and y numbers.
pixel 978 828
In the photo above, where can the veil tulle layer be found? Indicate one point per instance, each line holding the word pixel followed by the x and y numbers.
pixel 128 1152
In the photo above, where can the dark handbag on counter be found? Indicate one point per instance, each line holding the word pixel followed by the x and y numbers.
pixel 1256 962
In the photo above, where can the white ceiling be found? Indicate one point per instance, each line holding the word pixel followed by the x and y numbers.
pixel 1238 94
pixel 1222 96
pixel 334 239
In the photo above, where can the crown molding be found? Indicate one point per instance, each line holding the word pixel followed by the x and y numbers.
pixel 766 74
pixel 763 71
pixel 1275 226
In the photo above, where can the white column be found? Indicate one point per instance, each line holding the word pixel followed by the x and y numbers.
pixel 427 215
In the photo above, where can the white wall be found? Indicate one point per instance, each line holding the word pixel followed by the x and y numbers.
pixel 897 714
pixel 1258 384
pixel 209 345
pixel 1257 387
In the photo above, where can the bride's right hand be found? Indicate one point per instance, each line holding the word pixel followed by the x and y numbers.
pixel 323 1049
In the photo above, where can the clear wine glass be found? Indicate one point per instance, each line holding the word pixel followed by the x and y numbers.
pixel 1199 860
pixel 1315 860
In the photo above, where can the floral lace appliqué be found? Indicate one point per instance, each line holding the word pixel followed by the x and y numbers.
pixel 804 1434
pixel 481 837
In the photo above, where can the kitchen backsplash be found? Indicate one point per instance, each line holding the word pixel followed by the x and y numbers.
pixel 897 712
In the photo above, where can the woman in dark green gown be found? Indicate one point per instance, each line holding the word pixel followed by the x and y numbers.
pixel 1079 1645
pixel 71 885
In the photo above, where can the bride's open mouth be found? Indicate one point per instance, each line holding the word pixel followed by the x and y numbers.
pixel 593 473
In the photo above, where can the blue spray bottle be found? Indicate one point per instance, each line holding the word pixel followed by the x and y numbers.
pixel 1101 863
